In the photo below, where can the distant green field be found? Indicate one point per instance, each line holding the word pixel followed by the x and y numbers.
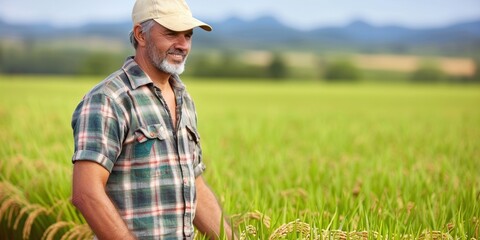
pixel 314 160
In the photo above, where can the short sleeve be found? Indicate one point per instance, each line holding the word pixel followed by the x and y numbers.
pixel 199 167
pixel 97 130
pixel 191 114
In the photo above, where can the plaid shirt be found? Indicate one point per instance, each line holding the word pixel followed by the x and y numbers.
pixel 124 125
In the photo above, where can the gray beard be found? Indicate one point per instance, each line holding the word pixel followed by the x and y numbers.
pixel 174 69
pixel 162 64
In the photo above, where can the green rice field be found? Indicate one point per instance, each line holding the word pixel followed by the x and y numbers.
pixel 288 160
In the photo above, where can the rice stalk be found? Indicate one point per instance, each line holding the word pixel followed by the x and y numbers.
pixel 10 201
pixel 249 230
pixel 13 212
pixel 23 211
pixel 10 205
pixel 257 215
pixel 87 233
pixel 14 208
pixel 364 235
pixel 33 211
pixel 27 227
pixel 334 234
pixel 78 232
pixel 295 195
pixel 358 235
pixel 434 235
pixel 58 204
pixel 71 234
pixel 50 232
pixel 295 226
pixel 294 192
pixel 354 235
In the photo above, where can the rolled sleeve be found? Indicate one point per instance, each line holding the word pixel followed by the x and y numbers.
pixel 86 155
pixel 199 169
pixel 97 131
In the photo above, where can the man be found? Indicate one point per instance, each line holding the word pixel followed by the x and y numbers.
pixel 137 161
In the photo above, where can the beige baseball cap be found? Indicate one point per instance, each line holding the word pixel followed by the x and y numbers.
pixel 172 14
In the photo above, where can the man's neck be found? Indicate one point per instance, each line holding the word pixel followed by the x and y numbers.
pixel 159 78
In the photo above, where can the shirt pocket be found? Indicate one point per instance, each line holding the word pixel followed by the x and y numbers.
pixel 193 144
pixel 146 138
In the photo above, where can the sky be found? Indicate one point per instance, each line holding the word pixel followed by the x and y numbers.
pixel 303 14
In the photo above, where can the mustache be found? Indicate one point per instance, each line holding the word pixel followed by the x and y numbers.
pixel 177 52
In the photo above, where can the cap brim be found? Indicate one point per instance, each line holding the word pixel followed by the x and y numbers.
pixel 182 23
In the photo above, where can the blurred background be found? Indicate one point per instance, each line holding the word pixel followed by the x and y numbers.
pixel 377 152
pixel 371 40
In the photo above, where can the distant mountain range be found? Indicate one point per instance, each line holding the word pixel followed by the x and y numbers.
pixel 267 33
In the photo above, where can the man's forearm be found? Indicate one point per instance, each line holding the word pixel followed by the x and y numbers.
pixel 103 218
pixel 209 218
pixel 90 198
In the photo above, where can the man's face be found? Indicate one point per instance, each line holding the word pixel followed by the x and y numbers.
pixel 168 50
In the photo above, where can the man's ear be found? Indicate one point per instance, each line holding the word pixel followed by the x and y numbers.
pixel 139 35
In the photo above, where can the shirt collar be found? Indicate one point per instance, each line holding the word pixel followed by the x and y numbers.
pixel 138 77
pixel 135 74
pixel 176 83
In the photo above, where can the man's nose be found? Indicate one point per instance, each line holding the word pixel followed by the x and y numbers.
pixel 183 42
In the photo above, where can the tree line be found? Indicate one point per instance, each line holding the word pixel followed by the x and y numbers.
pixel 32 60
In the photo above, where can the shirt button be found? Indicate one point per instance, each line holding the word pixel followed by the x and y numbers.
pixel 152 134
pixel 184 181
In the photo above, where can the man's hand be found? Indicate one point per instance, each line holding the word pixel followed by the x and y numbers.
pixel 90 198
pixel 208 217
